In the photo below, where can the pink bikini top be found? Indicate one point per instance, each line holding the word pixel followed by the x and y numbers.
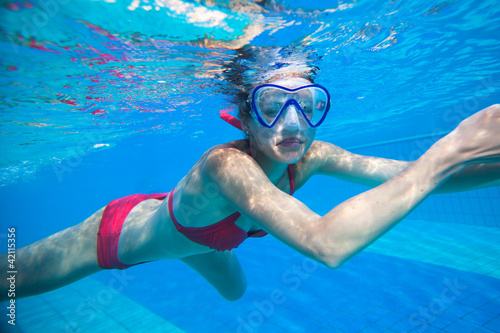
pixel 223 235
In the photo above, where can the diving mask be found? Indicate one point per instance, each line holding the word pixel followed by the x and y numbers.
pixel 269 101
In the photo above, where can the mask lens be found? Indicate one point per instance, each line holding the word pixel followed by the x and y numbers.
pixel 318 103
pixel 269 102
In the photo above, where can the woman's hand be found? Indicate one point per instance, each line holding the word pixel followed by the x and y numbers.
pixel 476 139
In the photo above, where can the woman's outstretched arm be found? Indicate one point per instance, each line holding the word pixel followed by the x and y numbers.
pixel 353 225
pixel 374 171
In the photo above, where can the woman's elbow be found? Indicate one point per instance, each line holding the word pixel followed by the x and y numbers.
pixel 331 262
pixel 325 249
pixel 331 257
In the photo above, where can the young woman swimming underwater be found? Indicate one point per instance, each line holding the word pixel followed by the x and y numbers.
pixel 244 188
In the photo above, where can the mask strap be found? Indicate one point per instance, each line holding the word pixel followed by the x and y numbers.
pixel 230 119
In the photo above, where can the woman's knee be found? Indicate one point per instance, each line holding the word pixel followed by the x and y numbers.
pixel 234 292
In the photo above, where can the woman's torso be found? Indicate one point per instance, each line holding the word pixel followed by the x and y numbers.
pixel 197 203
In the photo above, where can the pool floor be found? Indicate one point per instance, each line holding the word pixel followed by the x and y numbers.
pixel 422 276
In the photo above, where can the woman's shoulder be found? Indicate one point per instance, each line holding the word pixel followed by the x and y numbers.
pixel 218 162
pixel 231 148
pixel 319 154
pixel 325 147
pixel 320 150
pixel 233 152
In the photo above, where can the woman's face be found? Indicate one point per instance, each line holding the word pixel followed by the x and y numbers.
pixel 290 138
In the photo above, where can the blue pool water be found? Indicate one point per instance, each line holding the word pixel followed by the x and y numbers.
pixel 102 99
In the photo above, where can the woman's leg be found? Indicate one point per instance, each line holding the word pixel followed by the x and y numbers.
pixel 55 261
pixel 222 270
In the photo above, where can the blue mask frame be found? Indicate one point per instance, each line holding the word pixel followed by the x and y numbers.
pixel 289 102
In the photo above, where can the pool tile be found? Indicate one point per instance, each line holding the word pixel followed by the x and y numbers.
pixel 430 329
pixel 207 324
pixel 342 321
pixel 477 300
pixel 318 310
pixel 223 314
pixel 493 307
pixel 361 310
pixel 289 320
pixel 405 325
pixel 493 325
pixel 389 320
pixel 376 314
pixel 331 316
pixel 269 328
pixel 443 320
pixel 461 326
pixel 395 304
pixel 374 329
pixel 220 329
pixel 328 329
pixel 357 325
pixel 480 317
pixel 351 306
pixel 407 309
pixel 484 330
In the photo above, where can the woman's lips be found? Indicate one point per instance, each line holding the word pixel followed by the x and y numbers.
pixel 290 142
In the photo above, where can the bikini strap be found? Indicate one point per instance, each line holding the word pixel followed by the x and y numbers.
pixel 170 204
pixel 290 177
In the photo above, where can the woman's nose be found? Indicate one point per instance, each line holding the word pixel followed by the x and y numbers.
pixel 292 116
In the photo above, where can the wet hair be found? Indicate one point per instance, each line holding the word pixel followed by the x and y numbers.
pixel 253 66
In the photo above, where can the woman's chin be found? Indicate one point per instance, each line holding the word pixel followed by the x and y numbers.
pixel 290 155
